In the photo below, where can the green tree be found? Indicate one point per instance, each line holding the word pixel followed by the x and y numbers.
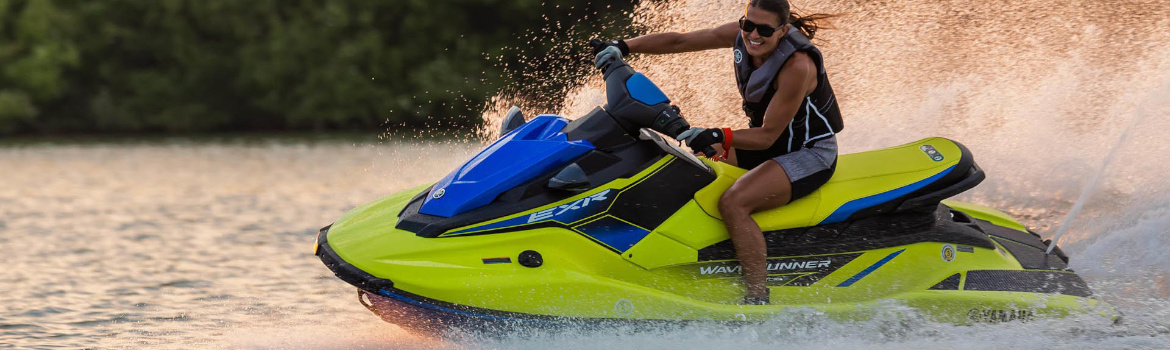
pixel 208 65
pixel 35 57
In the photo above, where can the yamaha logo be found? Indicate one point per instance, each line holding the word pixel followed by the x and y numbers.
pixel 439 194
pixel 738 56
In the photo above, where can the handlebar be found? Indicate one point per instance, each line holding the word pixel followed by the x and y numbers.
pixel 650 108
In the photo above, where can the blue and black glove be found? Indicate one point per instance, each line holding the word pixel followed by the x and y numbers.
pixel 599 45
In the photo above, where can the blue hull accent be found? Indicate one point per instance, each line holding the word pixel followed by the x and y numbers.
pixel 870 269
pixel 616 234
pixel 845 211
pixel 450 314
pixel 421 315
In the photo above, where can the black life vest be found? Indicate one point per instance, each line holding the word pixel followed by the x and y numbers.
pixel 756 88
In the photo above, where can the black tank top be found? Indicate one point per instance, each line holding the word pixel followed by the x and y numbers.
pixel 818 116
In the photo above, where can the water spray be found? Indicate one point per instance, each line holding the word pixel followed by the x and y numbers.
pixel 1096 180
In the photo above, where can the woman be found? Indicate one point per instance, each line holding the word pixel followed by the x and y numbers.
pixel 790 147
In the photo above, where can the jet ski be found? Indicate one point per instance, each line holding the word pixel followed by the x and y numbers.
pixel 600 220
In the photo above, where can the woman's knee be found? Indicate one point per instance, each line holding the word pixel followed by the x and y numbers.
pixel 756 191
pixel 733 202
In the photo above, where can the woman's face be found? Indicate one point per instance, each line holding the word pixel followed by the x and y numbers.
pixel 758 45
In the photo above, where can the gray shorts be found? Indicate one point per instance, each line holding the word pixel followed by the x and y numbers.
pixel 811 167
pixel 810 160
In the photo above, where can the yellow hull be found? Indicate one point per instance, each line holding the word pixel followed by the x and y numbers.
pixel 969 264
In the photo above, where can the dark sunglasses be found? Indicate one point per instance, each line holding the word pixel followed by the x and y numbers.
pixel 748 26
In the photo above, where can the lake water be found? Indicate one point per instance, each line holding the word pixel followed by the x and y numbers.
pixel 181 244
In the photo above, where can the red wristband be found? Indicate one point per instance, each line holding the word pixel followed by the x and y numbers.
pixel 726 139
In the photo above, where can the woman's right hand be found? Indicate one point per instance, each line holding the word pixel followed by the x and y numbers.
pixel 704 141
pixel 599 45
pixel 606 55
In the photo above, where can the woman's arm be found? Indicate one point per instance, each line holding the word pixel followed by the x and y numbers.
pixel 796 80
pixel 712 38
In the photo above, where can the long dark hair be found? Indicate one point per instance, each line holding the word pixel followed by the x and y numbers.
pixel 807 24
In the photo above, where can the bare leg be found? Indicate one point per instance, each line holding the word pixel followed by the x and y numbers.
pixel 765 187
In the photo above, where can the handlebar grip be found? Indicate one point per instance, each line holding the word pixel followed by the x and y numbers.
pixel 670 122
